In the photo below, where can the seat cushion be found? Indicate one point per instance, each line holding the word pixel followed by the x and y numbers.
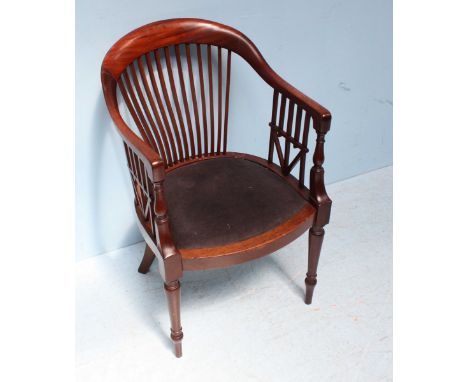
pixel 224 200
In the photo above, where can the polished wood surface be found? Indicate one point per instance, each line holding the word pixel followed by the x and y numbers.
pixel 173 301
pixel 174 78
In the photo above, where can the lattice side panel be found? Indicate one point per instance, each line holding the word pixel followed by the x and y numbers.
pixel 142 188
pixel 290 122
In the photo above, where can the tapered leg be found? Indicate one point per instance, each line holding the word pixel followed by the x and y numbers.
pixel 315 244
pixel 173 301
pixel 147 260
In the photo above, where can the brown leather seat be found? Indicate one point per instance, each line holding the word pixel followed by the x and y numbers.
pixel 224 200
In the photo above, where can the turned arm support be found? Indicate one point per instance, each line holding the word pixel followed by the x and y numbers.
pixel 318 193
pixel 171 259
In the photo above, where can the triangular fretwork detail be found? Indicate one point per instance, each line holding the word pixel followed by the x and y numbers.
pixel 294 129
pixel 142 188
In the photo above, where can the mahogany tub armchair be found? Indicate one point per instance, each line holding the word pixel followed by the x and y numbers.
pixel 198 205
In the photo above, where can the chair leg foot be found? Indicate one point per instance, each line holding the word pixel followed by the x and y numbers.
pixel 315 244
pixel 173 301
pixel 147 260
pixel 310 283
pixel 178 349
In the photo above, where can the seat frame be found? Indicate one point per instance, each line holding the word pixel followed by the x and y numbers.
pixel 148 166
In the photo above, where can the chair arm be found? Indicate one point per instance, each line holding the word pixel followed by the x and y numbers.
pixel 316 110
pixel 321 118
pixel 152 161
pixel 147 172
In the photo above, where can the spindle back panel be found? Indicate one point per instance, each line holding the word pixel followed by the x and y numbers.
pixel 178 98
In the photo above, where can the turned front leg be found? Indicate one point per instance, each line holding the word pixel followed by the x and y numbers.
pixel 173 301
pixel 315 245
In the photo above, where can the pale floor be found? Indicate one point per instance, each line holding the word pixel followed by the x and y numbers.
pixel 249 323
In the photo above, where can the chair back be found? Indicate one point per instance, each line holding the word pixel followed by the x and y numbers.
pixel 174 76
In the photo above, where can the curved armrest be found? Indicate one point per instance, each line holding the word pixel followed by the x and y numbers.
pixel 317 111
pixel 153 162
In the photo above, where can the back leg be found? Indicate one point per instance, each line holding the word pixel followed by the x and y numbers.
pixel 147 260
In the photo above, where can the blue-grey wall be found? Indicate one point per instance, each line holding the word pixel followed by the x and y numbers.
pixel 338 52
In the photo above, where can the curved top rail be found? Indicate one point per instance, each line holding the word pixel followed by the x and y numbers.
pixel 188 30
